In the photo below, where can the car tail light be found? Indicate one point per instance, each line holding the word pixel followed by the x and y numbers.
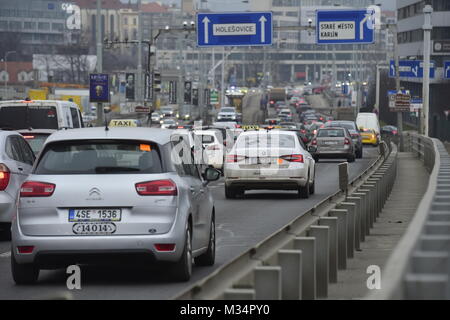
pixel 165 246
pixel 28 137
pixel 394 132
pixel 214 147
pixel 157 188
pixel 347 141
pixel 4 176
pixel 25 249
pixel 314 142
pixel 293 158
pixel 232 158
pixel 272 102
pixel 303 131
pixel 36 189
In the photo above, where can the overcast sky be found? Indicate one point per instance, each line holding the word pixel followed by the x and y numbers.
pixel 237 5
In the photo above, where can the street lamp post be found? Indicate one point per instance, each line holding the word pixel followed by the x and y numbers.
pixel 6 72
pixel 427 27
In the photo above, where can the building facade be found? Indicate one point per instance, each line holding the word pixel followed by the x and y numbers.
pixel 410 37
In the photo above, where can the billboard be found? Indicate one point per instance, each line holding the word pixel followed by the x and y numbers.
pixel 130 86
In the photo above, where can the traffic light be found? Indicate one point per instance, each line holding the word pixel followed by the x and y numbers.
pixel 157 81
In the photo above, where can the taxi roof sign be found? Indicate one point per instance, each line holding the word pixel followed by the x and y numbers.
pixel 123 123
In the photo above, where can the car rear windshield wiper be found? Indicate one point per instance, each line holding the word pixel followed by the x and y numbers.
pixel 115 169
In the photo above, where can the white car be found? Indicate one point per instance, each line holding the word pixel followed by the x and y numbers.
pixel 213 147
pixel 269 160
pixel 166 123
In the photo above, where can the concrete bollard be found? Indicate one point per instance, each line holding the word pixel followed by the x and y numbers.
pixel 267 283
pixel 432 262
pixel 372 202
pixel 363 212
pixel 351 208
pixel 434 243
pixel 377 182
pixel 290 262
pixel 426 287
pixel 308 247
pixel 437 228
pixel 342 216
pixel 239 294
pixel 332 224
pixel 322 267
pixel 357 202
pixel 367 214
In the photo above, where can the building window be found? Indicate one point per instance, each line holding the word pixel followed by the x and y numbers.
pixel 125 21
pixel 111 26
pixel 57 27
pixel 29 25
pixel 44 26
pixel 15 25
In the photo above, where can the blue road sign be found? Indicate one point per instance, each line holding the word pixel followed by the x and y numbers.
pixel 343 26
pixel 234 29
pixel 98 88
pixel 411 69
pixel 446 69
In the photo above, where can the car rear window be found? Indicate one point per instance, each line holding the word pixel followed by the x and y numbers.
pixel 331 133
pixel 207 138
pixel 341 124
pixel 263 140
pixel 100 157
pixel 24 117
pixel 36 141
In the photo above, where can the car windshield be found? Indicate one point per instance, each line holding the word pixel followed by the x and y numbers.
pixel 227 110
pixel 331 133
pixel 24 117
pixel 169 121
pixel 100 157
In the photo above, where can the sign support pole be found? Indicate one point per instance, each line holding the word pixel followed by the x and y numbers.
pixel 427 27
pixel 397 87
pixel 99 59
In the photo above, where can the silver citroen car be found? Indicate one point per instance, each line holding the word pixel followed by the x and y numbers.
pixel 97 195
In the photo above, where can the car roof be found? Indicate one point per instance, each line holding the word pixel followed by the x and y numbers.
pixel 49 131
pixel 156 135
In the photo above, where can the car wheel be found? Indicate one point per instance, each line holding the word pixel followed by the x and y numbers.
pixel 316 159
pixel 351 158
pixel 230 192
pixel 182 270
pixel 303 192
pixel 312 187
pixel 23 273
pixel 359 155
pixel 208 258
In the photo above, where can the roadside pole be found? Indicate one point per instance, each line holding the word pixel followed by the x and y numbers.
pixel 99 59
pixel 397 87
pixel 427 27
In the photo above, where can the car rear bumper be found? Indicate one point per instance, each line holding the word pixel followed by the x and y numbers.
pixel 333 154
pixel 65 250
pixel 266 184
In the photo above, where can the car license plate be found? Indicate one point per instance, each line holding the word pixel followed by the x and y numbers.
pixel 92 215
pixel 331 142
pixel 264 160
pixel 94 228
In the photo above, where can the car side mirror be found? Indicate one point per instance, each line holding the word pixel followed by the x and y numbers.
pixel 211 174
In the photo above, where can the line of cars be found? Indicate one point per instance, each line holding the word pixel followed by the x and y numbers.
pixel 96 195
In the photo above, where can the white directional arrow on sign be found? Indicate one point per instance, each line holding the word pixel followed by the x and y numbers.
pixel 415 70
pixel 393 69
pixel 263 21
pixel 361 25
pixel 447 72
pixel 206 21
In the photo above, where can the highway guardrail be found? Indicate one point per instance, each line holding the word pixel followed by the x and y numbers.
pixel 300 260
pixel 419 266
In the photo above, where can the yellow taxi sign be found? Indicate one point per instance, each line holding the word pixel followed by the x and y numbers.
pixel 123 123
pixel 250 127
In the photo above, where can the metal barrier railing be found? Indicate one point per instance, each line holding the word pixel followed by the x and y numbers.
pixel 419 267
pixel 302 258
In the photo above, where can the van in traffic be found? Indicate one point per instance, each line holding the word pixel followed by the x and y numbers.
pixel 369 121
pixel 39 114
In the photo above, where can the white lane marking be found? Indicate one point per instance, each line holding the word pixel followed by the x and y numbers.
pixel 5 254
